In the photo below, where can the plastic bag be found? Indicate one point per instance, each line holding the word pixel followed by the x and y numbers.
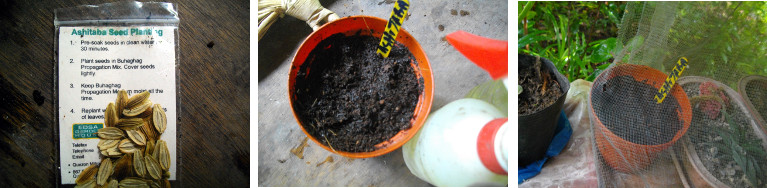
pixel 575 165
pixel 101 50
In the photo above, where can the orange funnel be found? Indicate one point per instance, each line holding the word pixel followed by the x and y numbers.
pixel 489 54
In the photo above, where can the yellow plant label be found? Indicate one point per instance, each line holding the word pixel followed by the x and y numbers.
pixel 392 27
pixel 671 80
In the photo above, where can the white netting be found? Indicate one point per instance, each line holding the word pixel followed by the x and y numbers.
pixel 708 131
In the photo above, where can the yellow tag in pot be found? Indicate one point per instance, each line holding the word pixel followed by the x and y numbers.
pixel 671 79
pixel 392 27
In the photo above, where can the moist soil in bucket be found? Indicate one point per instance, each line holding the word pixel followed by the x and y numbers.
pixel 540 88
pixel 706 140
pixel 628 109
pixel 350 98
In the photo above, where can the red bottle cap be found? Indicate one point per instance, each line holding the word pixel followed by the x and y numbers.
pixel 486 146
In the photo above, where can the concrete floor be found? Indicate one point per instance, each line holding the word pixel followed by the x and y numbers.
pixel 454 76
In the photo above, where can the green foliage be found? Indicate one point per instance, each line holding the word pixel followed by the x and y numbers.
pixel 578 37
pixel 744 149
pixel 724 41
pixel 738 44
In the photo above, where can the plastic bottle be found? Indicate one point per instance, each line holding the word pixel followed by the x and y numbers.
pixel 466 142
pixel 459 145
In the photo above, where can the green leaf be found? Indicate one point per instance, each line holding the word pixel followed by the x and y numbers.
pixel 725 134
pixel 750 172
pixel 743 149
pixel 734 127
pixel 751 149
pixel 530 15
pixel 602 50
pixel 532 38
pixel 740 161
pixel 613 16
pixel 603 66
pixel 549 48
pixel 597 71
pixel 563 26
pixel 527 7
pixel 635 43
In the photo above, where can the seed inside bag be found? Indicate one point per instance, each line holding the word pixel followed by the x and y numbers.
pixel 130 146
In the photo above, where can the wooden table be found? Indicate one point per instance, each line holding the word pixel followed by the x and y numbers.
pixel 213 93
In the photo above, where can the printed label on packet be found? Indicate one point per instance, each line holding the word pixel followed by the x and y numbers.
pixel 85 130
pixel 392 27
pixel 94 64
pixel 671 80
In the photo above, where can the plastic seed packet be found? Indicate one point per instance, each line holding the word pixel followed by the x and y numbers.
pixel 116 78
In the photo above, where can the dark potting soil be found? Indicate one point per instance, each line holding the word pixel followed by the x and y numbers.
pixel 351 98
pixel 628 109
pixel 703 136
pixel 540 88
pixel 758 96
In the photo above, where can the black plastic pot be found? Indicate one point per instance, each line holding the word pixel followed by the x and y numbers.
pixel 537 129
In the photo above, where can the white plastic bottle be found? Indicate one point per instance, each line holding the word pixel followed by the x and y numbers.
pixel 465 143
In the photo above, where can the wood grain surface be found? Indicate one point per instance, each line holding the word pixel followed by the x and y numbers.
pixel 213 93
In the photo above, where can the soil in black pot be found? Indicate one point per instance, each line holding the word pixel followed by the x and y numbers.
pixel 628 109
pixel 755 90
pixel 540 88
pixel 350 98
pixel 706 140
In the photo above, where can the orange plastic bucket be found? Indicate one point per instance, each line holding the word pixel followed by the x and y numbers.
pixel 359 24
pixel 624 155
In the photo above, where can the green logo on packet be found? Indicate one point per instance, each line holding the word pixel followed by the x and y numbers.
pixel 85 130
